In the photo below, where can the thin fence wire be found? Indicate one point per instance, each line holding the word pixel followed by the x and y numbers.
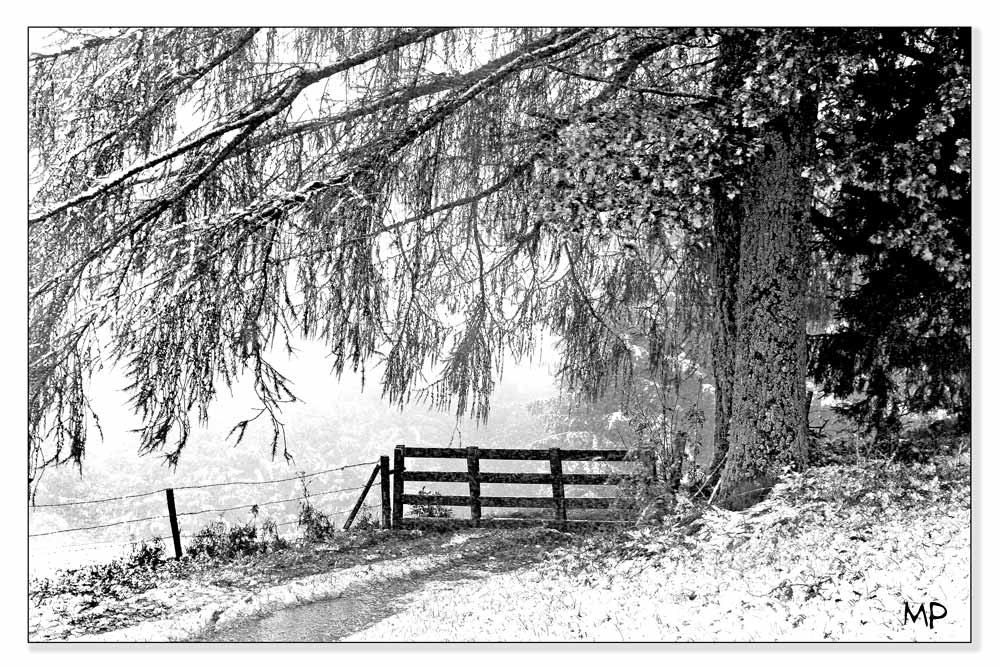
pixel 103 525
pixel 271 502
pixel 94 545
pixel 108 548
pixel 97 500
pixel 202 486
pixel 89 545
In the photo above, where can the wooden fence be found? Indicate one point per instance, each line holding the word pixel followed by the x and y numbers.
pixel 475 501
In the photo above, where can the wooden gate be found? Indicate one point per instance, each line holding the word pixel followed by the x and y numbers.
pixel 475 501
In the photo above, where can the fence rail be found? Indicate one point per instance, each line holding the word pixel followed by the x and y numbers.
pixel 475 501
pixel 518 454
pixel 510 477
pixel 510 501
pixel 393 497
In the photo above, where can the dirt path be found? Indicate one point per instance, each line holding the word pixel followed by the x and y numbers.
pixel 361 605
pixel 321 593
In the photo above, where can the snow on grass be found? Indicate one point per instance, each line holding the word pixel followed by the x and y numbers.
pixel 831 555
pixel 199 609
pixel 308 589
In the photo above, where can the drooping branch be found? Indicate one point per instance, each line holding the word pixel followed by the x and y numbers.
pixel 91 43
pixel 279 100
pixel 187 80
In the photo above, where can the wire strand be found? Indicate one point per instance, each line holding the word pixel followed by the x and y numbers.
pixel 103 525
pixel 270 502
pixel 218 509
pixel 274 481
pixel 201 486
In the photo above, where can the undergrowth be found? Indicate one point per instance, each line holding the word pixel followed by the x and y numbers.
pixel 430 511
pixel 221 541
pixel 133 573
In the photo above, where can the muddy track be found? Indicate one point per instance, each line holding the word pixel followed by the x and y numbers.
pixel 310 602
pixel 361 605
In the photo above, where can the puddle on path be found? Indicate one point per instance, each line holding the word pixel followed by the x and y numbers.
pixel 321 621
pixel 333 619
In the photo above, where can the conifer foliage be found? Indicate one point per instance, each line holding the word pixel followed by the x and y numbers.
pixel 423 200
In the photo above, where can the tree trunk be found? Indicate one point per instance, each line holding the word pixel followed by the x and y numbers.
pixel 766 429
pixel 725 277
pixel 735 57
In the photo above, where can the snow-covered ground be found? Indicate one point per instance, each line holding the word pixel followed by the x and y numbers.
pixel 832 554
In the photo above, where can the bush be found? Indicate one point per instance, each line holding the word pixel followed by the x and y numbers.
pixel 118 579
pixel 365 520
pixel 146 554
pixel 636 491
pixel 925 438
pixel 922 439
pixel 317 526
pixel 218 540
pixel 431 511
pixel 269 534
pixel 838 449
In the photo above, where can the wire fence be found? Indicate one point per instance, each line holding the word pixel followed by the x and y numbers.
pixel 376 506
pixel 202 486
pixel 52 528
pixel 373 506
pixel 305 495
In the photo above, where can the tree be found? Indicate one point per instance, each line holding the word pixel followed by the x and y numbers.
pixel 767 426
pixel 814 103
pixel 187 216
pixel 427 198
pixel 897 240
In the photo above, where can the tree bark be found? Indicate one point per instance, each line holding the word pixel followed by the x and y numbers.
pixel 766 429
pixel 735 58
pixel 727 216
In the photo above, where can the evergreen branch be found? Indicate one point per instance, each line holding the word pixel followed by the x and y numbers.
pixel 92 43
pixel 281 99
pixel 188 78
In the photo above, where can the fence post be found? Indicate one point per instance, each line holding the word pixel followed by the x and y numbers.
pixel 558 490
pixel 472 457
pixel 397 486
pixel 361 498
pixel 383 465
pixel 175 531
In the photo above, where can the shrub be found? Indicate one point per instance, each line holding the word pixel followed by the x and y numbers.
pixel 212 542
pixel 636 491
pixel 219 540
pixel 269 534
pixel 431 511
pixel 118 579
pixel 317 526
pixel 920 441
pixel 927 438
pixel 365 520
pixel 146 554
pixel 837 449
